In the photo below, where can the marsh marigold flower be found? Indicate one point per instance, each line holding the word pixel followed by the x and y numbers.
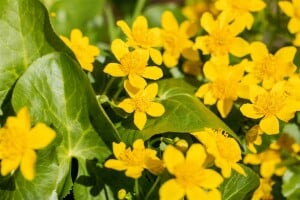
pixel 132 64
pixel 176 40
pixel 292 9
pixel 222 38
pixel 141 103
pixel 190 176
pixel 240 9
pixel 270 106
pixel 268 68
pixel 140 36
pixel 253 137
pixel 18 142
pixel 84 52
pixel 224 149
pixel 264 191
pixel 135 160
pixel 224 85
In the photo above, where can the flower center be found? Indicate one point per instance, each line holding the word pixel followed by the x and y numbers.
pixel 141 103
pixel 133 158
pixel 133 62
pixel 218 42
pixel 224 89
pixel 267 68
pixel 269 103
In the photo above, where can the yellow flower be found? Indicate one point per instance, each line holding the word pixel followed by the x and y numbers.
pixel 292 9
pixel 222 37
pixel 240 9
pixel 264 191
pixel 18 142
pixel 286 142
pixel 292 86
pixel 224 86
pixel 270 105
pixel 84 52
pixel 296 41
pixel 135 160
pixel 192 67
pixel 190 176
pixel 176 40
pixel 141 103
pixel 142 37
pixel 253 137
pixel 132 64
pixel 225 150
pixel 268 68
pixel 268 160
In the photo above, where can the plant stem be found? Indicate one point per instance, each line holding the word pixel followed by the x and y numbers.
pixel 111 23
pixel 152 188
pixel 136 189
pixel 138 9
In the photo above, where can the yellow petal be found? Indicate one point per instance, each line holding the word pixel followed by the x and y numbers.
pixel 151 91
pixel 252 159
pixel 21 121
pixel 286 54
pixel 196 154
pixel 239 47
pixel 211 71
pixel 207 22
pixel 196 193
pixel 115 164
pixel 202 90
pixel 153 73
pixel 169 22
pixel 139 119
pixel 137 81
pixel 28 164
pixel 267 169
pixel 131 91
pixel 190 54
pixel 287 8
pixel 209 98
pixel 76 35
pixel 224 107
pixel 269 124
pixel 155 56
pixel 169 59
pixel 172 157
pixel 225 167
pixel 139 144
pixel 114 69
pixel 249 110
pixel 125 28
pixel 134 171
pixel 294 25
pixel 140 24
pixel 210 179
pixel 126 105
pixel 201 43
pixel 258 51
pixel 155 109
pixel 40 136
pixel 119 48
pixel 256 5
pixel 118 148
pixel 239 169
pixel 9 165
pixel 171 190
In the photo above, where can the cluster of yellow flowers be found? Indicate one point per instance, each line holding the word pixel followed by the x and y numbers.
pixel 265 83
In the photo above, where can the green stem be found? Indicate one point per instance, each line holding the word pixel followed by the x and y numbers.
pixel 138 9
pixel 152 188
pixel 110 22
pixel 108 85
pixel 120 88
pixel 136 188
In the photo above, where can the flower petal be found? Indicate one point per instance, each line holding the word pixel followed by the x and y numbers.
pixel 172 157
pixel 115 164
pixel 269 124
pixel 125 28
pixel 139 144
pixel 40 136
pixel 155 109
pixel 239 47
pixel 155 56
pixel 287 8
pixel 210 179
pixel 169 22
pixel 114 69
pixel 140 24
pixel 224 107
pixel 151 91
pixel 119 48
pixel 169 59
pixel 196 154
pixel 153 73
pixel 171 190
pixel 207 22
pixel 134 172
pixel 139 119
pixel 28 164
pixel 137 81
pixel 238 168
pixel 286 54
pixel 126 105
pixel 249 110
pixel 118 148
pixel 22 121
pixel 9 165
pixel 258 51
pixel 196 193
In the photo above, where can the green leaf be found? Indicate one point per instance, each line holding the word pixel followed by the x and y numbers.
pixel 57 92
pixel 291 184
pixel 26 35
pixel 184 113
pixel 238 186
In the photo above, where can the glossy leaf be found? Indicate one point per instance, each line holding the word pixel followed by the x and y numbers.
pixel 237 186
pixel 56 91
pixel 291 184
pixel 25 35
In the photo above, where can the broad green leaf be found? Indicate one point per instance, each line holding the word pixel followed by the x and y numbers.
pixel 238 186
pixel 184 112
pixel 26 35
pixel 42 187
pixel 291 184
pixel 57 92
